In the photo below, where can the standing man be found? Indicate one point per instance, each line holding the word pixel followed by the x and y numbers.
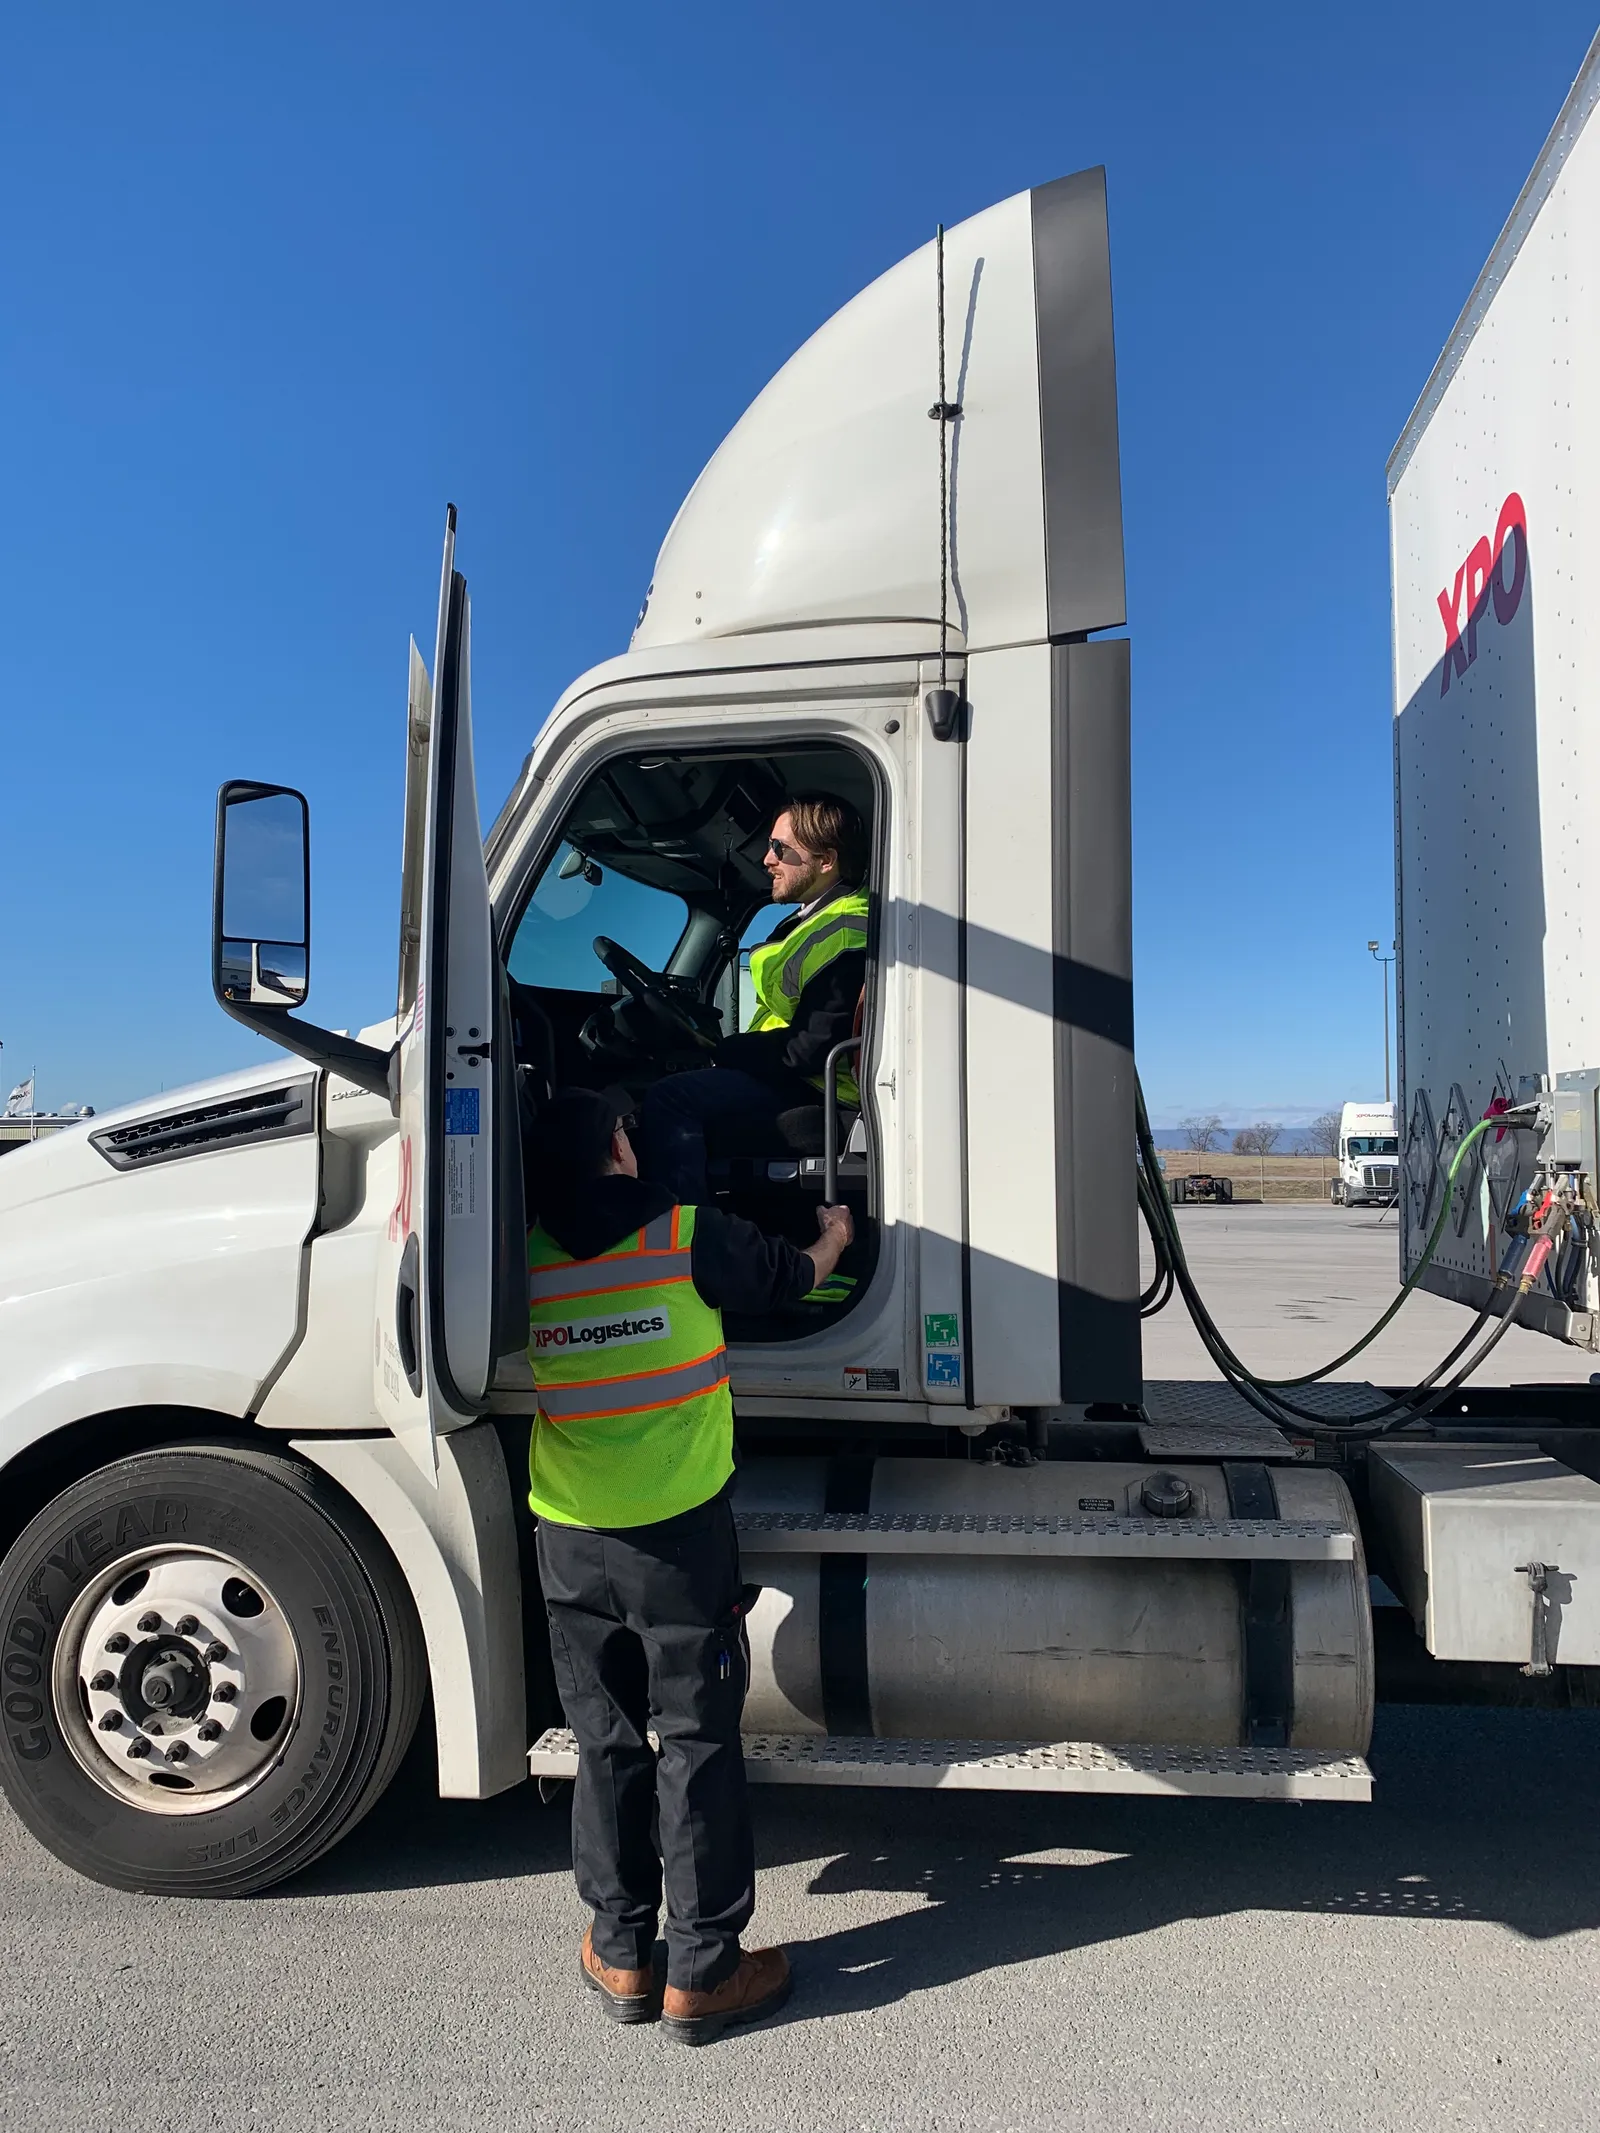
pixel 808 980
pixel 631 1461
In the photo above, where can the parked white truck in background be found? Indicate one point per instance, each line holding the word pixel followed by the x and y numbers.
pixel 1369 1157
pixel 264 1397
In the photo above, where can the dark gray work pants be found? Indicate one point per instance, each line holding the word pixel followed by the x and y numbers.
pixel 647 1630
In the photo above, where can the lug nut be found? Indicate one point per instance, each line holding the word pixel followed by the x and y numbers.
pixel 224 1692
pixel 103 1681
pixel 138 1748
pixel 208 1729
pixel 214 1652
pixel 149 1622
pixel 110 1722
pixel 186 1625
pixel 117 1642
pixel 178 1752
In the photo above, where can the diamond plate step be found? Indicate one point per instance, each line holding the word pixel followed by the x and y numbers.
pixel 1199 1418
pixel 1278 1540
pixel 1025 1766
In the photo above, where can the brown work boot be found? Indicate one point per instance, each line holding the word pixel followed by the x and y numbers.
pixel 627 1995
pixel 756 1989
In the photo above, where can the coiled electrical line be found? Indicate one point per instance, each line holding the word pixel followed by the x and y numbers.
pixel 1269 1396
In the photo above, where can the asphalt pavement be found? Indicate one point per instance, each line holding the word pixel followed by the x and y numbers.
pixel 964 1961
pixel 1292 1286
pixel 997 1962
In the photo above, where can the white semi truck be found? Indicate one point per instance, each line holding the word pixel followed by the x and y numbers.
pixel 264 1401
pixel 1369 1157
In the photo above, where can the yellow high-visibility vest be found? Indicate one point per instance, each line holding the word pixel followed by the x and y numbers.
pixel 781 970
pixel 635 1417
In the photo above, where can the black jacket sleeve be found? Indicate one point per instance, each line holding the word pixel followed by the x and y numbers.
pixel 824 1014
pixel 737 1267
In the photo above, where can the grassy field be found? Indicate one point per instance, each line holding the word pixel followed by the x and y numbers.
pixel 1270 1177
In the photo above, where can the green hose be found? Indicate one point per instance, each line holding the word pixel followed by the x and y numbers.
pixel 1411 1280
pixel 1262 1392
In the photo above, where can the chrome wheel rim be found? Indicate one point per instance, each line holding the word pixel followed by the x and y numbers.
pixel 177 1680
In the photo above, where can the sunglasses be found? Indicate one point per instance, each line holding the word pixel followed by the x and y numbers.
pixel 789 855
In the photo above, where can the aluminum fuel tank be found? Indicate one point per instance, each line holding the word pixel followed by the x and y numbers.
pixel 1012 1646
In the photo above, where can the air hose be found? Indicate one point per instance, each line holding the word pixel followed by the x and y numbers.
pixel 1268 1395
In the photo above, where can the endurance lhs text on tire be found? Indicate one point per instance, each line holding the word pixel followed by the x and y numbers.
pixel 211 1669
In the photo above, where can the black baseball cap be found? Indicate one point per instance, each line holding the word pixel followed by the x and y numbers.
pixel 572 1137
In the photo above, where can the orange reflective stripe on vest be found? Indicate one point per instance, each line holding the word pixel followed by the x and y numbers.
pixel 634 1395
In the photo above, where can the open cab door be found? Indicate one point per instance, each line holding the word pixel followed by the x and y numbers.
pixel 440 1271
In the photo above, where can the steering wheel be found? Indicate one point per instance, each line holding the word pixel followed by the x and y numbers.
pixel 653 992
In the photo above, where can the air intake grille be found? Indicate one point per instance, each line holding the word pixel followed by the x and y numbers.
pixel 1380 1177
pixel 263 1115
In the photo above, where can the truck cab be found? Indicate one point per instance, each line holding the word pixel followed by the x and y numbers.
pixel 1369 1157
pixel 265 1400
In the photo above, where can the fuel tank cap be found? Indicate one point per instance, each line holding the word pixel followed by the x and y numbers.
pixel 1167 1496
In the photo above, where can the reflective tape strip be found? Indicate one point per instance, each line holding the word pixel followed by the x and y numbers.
pixel 631 1396
pixel 605 1277
pixel 661 1233
pixel 791 979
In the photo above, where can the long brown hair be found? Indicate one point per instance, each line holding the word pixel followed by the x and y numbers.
pixel 824 823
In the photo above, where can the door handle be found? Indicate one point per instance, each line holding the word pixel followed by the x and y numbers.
pixel 408 1313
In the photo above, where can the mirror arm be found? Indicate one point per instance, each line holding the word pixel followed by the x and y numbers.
pixel 366 1065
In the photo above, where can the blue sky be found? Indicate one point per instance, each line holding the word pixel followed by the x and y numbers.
pixel 279 282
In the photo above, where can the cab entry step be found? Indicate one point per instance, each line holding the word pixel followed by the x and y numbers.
pixel 1024 1766
pixel 1283 1540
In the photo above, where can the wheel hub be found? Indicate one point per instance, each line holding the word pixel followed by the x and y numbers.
pixel 177 1680
pixel 164 1679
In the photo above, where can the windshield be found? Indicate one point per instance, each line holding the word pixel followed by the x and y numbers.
pixel 1374 1144
pixel 554 943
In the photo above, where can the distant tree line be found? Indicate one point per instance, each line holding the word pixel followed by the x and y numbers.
pixel 1203 1135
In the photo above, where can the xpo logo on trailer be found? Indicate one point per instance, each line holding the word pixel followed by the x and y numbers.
pixel 1481 577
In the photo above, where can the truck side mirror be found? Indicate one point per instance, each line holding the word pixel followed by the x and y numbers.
pixel 261 904
pixel 261 932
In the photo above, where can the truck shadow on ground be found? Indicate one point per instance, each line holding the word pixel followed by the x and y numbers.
pixel 1460 1829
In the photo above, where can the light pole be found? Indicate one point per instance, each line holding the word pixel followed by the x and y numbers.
pixel 1383 961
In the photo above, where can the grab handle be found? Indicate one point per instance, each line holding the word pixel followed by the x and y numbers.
pixel 830 1119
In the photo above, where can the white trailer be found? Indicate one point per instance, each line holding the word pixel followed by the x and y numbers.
pixel 264 1396
pixel 1494 497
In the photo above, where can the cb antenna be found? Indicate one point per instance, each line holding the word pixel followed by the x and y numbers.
pixel 944 703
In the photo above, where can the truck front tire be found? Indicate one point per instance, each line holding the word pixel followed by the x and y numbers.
pixel 211 1669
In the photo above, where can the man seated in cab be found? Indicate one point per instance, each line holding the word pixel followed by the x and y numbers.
pixel 808 978
pixel 631 1465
